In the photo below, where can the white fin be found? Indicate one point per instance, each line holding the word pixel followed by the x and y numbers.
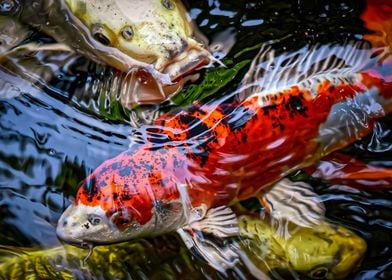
pixel 295 202
pixel 270 73
pixel 205 236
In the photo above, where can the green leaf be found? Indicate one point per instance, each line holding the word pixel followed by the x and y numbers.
pixel 214 80
pixel 110 107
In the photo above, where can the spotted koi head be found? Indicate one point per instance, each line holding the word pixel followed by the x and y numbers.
pixel 132 195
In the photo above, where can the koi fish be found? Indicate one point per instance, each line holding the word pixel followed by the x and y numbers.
pixel 292 110
pixel 330 251
pixel 154 41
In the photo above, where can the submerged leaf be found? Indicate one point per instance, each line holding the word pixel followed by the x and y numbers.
pixel 110 106
pixel 214 80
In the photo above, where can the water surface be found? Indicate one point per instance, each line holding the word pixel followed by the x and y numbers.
pixel 56 131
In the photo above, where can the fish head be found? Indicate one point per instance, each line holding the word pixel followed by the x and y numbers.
pixel 157 32
pixel 325 251
pixel 330 251
pixel 126 197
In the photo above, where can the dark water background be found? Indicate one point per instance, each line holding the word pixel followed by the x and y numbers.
pixel 50 138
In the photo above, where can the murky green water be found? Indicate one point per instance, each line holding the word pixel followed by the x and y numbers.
pixel 53 135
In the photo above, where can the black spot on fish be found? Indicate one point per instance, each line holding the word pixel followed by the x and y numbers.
pixel 276 123
pixel 196 126
pixel 125 196
pixel 165 181
pixel 147 167
pixel 244 137
pixel 295 105
pixel 200 154
pixel 163 162
pixel 126 171
pixel 115 196
pixel 267 109
pixel 176 163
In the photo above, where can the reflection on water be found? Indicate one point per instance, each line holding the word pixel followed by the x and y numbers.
pixel 55 132
pixel 47 145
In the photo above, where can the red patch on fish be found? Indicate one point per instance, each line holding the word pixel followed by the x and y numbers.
pixel 129 185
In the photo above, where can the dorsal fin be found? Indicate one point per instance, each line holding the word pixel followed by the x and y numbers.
pixel 270 73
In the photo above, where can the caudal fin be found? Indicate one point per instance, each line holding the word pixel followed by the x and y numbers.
pixel 377 18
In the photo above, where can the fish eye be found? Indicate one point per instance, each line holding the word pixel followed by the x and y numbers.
pixel 94 220
pixel 127 33
pixel 100 35
pixel 168 4
pixel 319 273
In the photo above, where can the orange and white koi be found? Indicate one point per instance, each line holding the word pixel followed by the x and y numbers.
pixel 291 110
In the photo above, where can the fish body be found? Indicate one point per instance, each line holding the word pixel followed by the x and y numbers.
pixel 217 154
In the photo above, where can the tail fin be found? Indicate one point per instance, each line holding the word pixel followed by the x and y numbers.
pixel 378 20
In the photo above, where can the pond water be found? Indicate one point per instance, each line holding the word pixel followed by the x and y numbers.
pixel 54 133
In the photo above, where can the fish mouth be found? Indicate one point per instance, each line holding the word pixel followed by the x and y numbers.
pixel 64 232
pixel 62 235
pixel 83 243
pixel 186 63
pixel 152 89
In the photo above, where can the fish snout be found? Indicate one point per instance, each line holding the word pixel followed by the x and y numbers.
pixel 186 62
pixel 66 226
pixel 83 225
pixel 177 48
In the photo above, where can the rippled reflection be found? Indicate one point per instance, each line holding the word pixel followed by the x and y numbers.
pixel 55 129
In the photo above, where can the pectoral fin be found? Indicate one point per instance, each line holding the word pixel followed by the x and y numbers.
pixel 295 202
pixel 205 236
